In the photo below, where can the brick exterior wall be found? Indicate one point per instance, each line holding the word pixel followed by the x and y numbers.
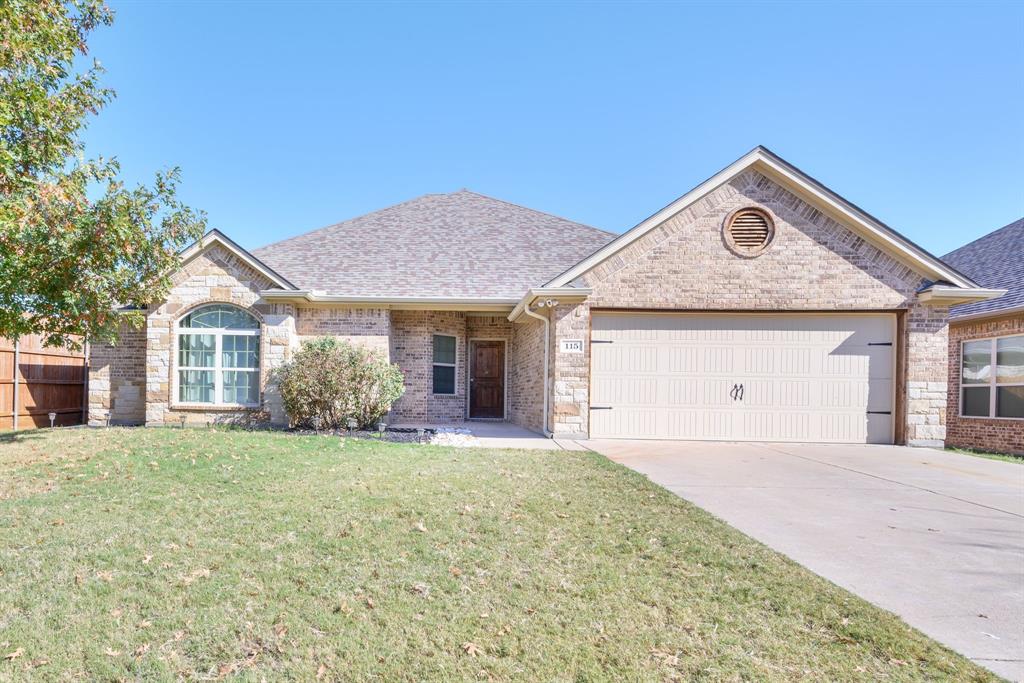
pixel 412 348
pixel 370 327
pixel 526 375
pixel 117 379
pixel 989 434
pixel 131 382
pixel 813 264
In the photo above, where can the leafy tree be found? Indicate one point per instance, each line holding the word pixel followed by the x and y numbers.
pixel 75 243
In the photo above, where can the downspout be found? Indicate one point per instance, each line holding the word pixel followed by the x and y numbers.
pixel 547 343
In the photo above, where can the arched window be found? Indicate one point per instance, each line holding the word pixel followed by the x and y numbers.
pixel 218 355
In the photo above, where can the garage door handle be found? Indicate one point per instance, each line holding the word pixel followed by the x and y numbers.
pixel 737 392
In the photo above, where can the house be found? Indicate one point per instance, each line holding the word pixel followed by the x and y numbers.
pixel 758 306
pixel 986 408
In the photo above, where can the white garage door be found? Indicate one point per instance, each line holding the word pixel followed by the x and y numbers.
pixel 749 377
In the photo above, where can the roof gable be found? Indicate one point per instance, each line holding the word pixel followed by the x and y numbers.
pixel 216 237
pixel 461 244
pixel 775 168
pixel 995 260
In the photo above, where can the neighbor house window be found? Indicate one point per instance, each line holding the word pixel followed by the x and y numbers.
pixel 444 364
pixel 218 359
pixel 992 378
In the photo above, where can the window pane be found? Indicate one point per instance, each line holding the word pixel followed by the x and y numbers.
pixel 240 387
pixel 444 349
pixel 444 379
pixel 977 362
pixel 976 401
pixel 195 386
pixel 218 315
pixel 1010 360
pixel 237 319
pixel 239 351
pixel 196 350
pixel 1010 402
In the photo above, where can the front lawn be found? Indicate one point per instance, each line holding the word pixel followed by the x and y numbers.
pixel 1005 457
pixel 167 553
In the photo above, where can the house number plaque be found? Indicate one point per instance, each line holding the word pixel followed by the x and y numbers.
pixel 572 346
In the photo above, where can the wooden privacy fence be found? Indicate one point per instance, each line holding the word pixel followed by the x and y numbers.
pixel 37 380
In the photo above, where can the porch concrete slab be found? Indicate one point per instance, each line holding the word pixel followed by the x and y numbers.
pixel 496 434
pixel 936 537
pixel 507 435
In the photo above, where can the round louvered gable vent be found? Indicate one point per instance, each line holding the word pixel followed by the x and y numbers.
pixel 749 231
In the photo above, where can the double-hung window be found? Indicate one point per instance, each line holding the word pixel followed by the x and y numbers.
pixel 444 364
pixel 992 377
pixel 218 357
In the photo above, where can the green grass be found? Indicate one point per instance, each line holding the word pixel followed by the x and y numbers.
pixel 168 554
pixel 1005 457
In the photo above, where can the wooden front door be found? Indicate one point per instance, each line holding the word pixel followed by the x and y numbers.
pixel 487 379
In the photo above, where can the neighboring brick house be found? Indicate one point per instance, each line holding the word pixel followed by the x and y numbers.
pixel 758 306
pixel 986 347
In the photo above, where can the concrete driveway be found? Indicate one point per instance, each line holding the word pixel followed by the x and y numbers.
pixel 936 537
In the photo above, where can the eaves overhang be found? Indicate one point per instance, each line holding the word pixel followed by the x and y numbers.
pixel 560 294
pixel 946 295
pixel 408 303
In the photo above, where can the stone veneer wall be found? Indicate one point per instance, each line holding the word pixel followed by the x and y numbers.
pixel 412 349
pixel 813 263
pixel 991 434
pixel 117 379
pixel 215 276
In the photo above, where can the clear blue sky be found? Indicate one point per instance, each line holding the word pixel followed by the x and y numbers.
pixel 286 117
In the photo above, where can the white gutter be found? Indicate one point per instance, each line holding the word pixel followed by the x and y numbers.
pixel 943 294
pixel 560 293
pixel 497 304
pixel 547 343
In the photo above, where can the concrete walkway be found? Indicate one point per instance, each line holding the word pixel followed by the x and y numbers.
pixel 498 434
pixel 936 537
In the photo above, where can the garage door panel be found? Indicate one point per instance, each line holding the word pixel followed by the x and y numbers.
pixel 758 393
pixel 627 391
pixel 880 393
pixel 774 426
pixel 805 378
pixel 679 424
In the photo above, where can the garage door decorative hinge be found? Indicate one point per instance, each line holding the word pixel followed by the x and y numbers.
pixel 601 341
pixel 879 343
pixel 600 408
pixel 879 412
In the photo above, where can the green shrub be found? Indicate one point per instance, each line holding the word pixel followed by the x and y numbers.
pixel 335 380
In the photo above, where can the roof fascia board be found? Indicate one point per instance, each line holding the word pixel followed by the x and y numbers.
pixel 408 303
pixel 768 163
pixel 943 295
pixel 984 315
pixel 573 294
pixel 217 237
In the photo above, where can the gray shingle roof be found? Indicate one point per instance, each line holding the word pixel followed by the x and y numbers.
pixel 995 261
pixel 461 244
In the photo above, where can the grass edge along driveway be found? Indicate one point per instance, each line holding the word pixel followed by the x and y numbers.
pixel 171 554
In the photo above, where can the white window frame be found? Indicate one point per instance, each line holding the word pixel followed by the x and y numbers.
pixel 433 364
pixel 993 381
pixel 218 369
